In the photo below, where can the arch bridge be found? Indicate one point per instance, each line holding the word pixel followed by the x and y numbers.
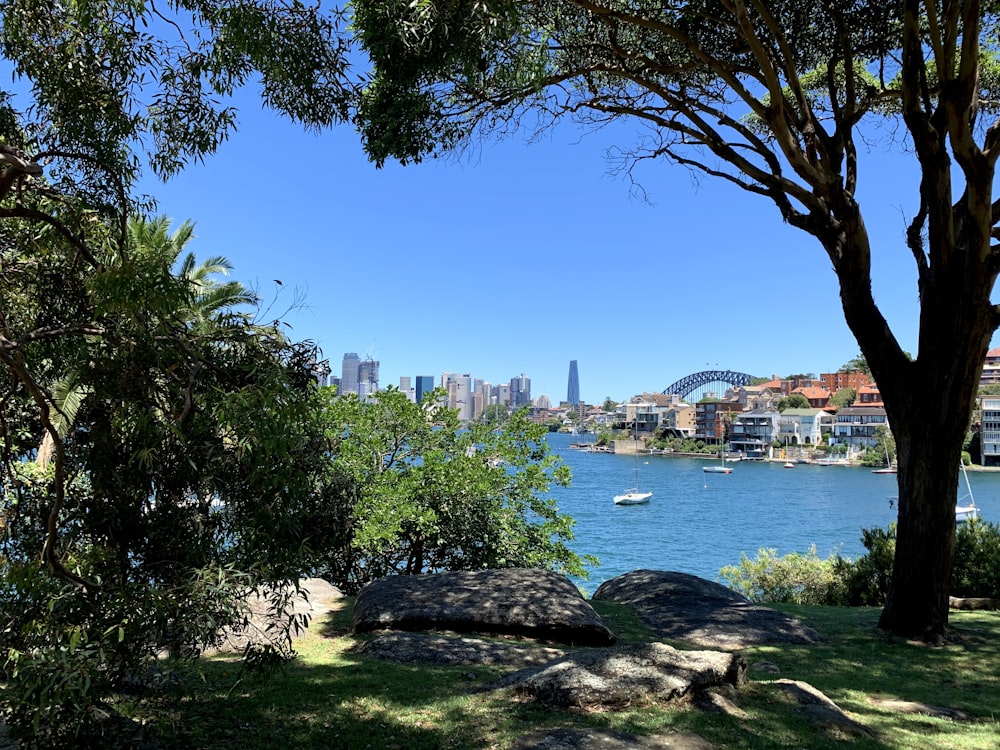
pixel 699 380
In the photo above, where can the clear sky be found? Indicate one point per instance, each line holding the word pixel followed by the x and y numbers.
pixel 520 257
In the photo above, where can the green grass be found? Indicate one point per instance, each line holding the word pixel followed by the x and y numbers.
pixel 335 697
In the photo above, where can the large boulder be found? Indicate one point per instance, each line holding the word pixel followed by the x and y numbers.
pixel 683 607
pixel 532 603
pixel 633 674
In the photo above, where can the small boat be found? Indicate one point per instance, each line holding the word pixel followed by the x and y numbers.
pixel 889 468
pixel 721 468
pixel 633 497
pixel 965 508
pixel 789 465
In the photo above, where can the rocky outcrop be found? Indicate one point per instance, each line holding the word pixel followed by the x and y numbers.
pixel 687 608
pixel 973 603
pixel 614 678
pixel 531 603
pixel 820 710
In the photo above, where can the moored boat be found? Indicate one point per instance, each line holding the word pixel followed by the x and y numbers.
pixel 633 497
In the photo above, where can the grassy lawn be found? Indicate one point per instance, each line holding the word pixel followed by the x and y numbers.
pixel 336 697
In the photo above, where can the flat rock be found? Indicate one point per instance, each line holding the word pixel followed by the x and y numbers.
pixel 916 707
pixel 425 648
pixel 683 607
pixel 525 602
pixel 615 678
pixel 607 739
pixel 820 710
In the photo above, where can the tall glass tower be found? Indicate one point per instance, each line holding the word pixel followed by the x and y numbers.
pixel 425 384
pixel 573 389
pixel 349 372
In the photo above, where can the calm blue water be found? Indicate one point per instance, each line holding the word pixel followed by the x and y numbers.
pixel 697 522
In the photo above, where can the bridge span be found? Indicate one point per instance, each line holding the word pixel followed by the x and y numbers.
pixel 701 380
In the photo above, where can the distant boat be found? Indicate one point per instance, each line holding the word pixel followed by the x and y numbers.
pixel 889 468
pixel 721 468
pixel 789 465
pixel 965 508
pixel 633 496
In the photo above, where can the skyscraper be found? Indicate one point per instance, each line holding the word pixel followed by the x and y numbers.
pixel 520 391
pixel 349 371
pixel 425 384
pixel 367 377
pixel 573 389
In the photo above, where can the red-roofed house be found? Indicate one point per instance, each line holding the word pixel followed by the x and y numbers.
pixel 819 398
pixel 868 395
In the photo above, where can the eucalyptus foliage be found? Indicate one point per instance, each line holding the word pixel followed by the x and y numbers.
pixel 426 494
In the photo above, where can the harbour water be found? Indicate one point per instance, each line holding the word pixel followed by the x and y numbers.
pixel 698 522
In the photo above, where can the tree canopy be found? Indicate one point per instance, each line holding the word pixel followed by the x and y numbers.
pixel 793 401
pixel 773 98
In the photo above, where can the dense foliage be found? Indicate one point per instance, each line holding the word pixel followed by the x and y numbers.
pixel 864 582
pixel 423 494
pixel 158 447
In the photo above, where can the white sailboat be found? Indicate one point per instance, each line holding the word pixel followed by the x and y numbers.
pixel 721 468
pixel 965 508
pixel 633 496
pixel 888 469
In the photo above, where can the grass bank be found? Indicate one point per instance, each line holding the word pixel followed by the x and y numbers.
pixel 335 697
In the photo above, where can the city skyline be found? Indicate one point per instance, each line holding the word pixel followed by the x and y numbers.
pixel 520 256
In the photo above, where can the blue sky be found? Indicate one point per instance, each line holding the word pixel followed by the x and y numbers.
pixel 518 257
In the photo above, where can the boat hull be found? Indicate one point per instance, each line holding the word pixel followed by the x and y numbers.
pixel 633 497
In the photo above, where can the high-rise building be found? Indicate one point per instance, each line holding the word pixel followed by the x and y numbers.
pixel 367 377
pixel 459 389
pixel 349 373
pixel 425 384
pixel 573 388
pixel 520 391
pixel 501 394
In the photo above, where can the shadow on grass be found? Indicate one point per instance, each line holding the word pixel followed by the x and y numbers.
pixel 335 697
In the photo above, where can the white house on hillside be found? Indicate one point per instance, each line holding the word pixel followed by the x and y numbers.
pixel 804 426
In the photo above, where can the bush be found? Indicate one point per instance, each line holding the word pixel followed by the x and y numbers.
pixel 864 582
pixel 792 579
pixel 977 560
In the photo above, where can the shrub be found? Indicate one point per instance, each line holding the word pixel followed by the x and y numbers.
pixel 977 560
pixel 793 579
pixel 866 580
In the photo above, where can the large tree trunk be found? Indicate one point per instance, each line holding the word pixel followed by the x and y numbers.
pixel 929 401
pixel 917 605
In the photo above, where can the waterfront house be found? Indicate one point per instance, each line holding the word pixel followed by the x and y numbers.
pixel 855 427
pixel 804 426
pixel 753 431
pixel 989 435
